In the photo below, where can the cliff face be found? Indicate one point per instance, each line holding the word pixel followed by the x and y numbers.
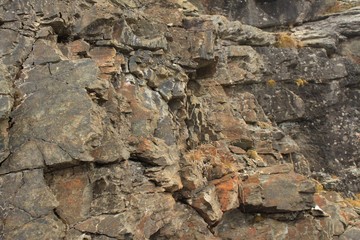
pixel 134 119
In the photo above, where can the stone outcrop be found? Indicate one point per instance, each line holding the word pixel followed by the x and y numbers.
pixel 134 119
pixel 266 13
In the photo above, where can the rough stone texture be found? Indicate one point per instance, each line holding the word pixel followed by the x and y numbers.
pixel 28 207
pixel 276 192
pixel 266 13
pixel 138 119
pixel 186 224
pixel 117 207
pixel 6 104
pixel 237 225
pixel 328 33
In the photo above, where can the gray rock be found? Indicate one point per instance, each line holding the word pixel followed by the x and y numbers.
pixel 111 203
pixel 47 227
pixel 44 52
pixel 124 34
pixel 329 32
pixel 293 192
pixel 70 107
pixel 27 157
pixel 282 104
pixel 6 105
pixel 246 35
pixel 28 205
pixel 350 234
pixel 268 13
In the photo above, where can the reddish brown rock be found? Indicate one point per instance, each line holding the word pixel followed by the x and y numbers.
pixel 73 191
pixel 227 190
pixel 237 150
pixel 163 159
pixel 77 48
pixel 207 161
pixel 340 213
pixel 103 56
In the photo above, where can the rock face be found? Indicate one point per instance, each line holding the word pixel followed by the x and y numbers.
pixel 134 119
pixel 267 13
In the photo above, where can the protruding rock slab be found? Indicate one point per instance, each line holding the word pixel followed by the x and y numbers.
pixel 271 191
pixel 237 225
pixel 268 13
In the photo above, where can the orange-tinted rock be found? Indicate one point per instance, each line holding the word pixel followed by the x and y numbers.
pixel 77 48
pixel 227 189
pixel 340 213
pixel 237 150
pixel 73 191
pixel 207 162
pixel 103 56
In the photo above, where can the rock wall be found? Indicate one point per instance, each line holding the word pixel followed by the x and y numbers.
pixel 134 119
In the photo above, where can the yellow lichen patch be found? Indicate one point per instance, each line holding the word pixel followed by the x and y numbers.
pixel 258 218
pixel 300 82
pixel 318 187
pixel 353 202
pixel 254 155
pixel 195 155
pixel 285 40
pixel 264 125
pixel 340 7
pixel 271 83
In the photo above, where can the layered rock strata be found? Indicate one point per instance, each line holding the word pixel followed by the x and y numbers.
pixel 134 119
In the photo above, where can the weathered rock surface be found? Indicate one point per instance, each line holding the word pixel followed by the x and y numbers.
pixel 237 225
pixel 7 102
pixel 134 119
pixel 273 191
pixel 267 13
pixel 330 32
